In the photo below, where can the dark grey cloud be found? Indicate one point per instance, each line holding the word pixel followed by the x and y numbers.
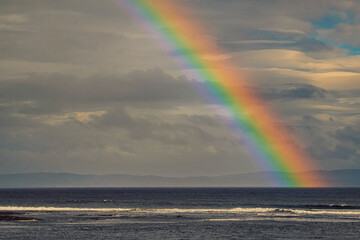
pixel 339 152
pixel 53 92
pixel 295 91
pixel 50 31
pixel 304 91
pixel 42 126
pixel 158 129
pixel 331 144
pixel 311 120
pixel 213 121
pixel 9 119
pixel 348 134
pixel 343 152
pixel 117 139
pixel 307 44
pixel 56 46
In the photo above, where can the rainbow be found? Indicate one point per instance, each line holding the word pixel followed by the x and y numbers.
pixel 272 145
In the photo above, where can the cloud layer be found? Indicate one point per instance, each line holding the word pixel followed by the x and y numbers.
pixel 84 88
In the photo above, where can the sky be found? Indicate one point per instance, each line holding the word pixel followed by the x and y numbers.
pixel 85 88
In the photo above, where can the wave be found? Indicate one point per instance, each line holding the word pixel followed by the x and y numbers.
pixel 61 209
pixel 330 206
pixel 151 210
pixel 279 210
pixel 319 206
pixel 299 219
pixel 257 211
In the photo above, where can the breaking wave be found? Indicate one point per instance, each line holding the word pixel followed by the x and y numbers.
pixel 330 206
pixel 240 210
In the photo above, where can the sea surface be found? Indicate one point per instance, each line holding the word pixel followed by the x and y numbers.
pixel 180 213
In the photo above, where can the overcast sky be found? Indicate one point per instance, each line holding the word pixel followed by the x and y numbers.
pixel 84 88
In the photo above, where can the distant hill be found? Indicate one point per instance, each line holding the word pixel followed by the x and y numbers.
pixel 339 178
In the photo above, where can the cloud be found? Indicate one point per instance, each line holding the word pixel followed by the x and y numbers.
pixel 118 141
pixel 81 117
pixel 340 152
pixel 343 152
pixel 156 129
pixel 10 119
pixel 295 91
pixel 132 123
pixel 347 34
pixel 297 60
pixel 270 39
pixel 290 66
pixel 75 91
pixel 348 134
pixel 71 38
pixel 311 120
pixel 305 91
pixel 54 92
pixel 12 18
pixel 330 142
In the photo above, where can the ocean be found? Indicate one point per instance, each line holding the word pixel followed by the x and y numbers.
pixel 180 213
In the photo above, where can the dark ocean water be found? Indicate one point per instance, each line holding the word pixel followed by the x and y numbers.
pixel 181 213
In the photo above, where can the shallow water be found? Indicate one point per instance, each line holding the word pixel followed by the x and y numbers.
pixel 181 213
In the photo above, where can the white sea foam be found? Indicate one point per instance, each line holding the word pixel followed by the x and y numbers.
pixel 298 219
pixel 328 211
pixel 61 209
pixel 257 211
